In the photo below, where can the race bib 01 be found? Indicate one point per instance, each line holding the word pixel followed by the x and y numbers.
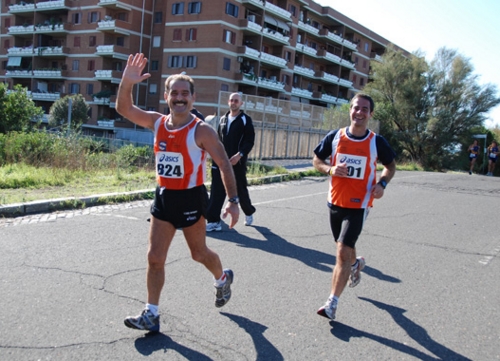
pixel 356 165
pixel 169 165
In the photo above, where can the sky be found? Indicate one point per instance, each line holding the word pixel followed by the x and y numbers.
pixel 469 26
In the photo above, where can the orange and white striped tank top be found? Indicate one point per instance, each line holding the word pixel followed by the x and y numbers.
pixel 180 163
pixel 361 158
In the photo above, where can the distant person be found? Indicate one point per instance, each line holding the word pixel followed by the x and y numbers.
pixel 473 155
pixel 237 134
pixel 353 153
pixel 492 157
pixel 180 145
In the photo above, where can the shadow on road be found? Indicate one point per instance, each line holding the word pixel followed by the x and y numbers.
pixel 157 341
pixel 415 331
pixel 265 349
pixel 277 245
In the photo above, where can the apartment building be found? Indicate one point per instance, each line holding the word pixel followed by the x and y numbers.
pixel 294 50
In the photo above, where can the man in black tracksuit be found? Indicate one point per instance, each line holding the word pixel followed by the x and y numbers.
pixel 237 134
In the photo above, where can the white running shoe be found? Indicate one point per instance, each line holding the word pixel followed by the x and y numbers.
pixel 356 272
pixel 248 220
pixel 329 309
pixel 214 226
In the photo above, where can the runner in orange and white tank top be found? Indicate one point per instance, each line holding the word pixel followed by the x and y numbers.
pixel 178 155
pixel 361 158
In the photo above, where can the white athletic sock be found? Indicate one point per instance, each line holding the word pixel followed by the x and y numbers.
pixel 152 308
pixel 221 280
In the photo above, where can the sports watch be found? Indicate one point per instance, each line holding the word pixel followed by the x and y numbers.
pixel 234 200
pixel 241 154
pixel 383 183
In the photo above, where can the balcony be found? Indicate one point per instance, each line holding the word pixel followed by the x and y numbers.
pixel 21 8
pixel 47 73
pixel 106 123
pixel 325 97
pixel 345 83
pixel 303 71
pixel 308 28
pixel 111 51
pixel 114 26
pixel 331 36
pixel 275 35
pixel 329 56
pixel 50 29
pixel 102 101
pixel 114 4
pixel 306 49
pixel 270 8
pixel 19 73
pixel 45 96
pixel 18 51
pixel 347 64
pixel 328 77
pixel 51 51
pixel 253 26
pixel 108 75
pixel 304 93
pixel 349 44
pixel 249 79
pixel 271 84
pixel 51 5
pixel 273 60
pixel 21 30
pixel 377 57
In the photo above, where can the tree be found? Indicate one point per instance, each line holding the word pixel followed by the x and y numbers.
pixel 425 109
pixel 17 111
pixel 59 112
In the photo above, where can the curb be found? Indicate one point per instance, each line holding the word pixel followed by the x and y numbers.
pixel 51 205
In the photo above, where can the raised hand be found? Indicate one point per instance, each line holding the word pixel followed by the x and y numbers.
pixel 133 71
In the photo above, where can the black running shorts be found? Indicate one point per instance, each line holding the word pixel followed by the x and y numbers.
pixel 182 208
pixel 347 224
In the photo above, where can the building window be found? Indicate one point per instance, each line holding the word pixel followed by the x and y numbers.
pixel 120 41
pixel 229 37
pixel 92 40
pixel 77 18
pixel 177 35
pixel 156 41
pixel 118 66
pixel 194 7
pixel 232 10
pixel 354 78
pixel 153 88
pixel 178 8
pixel 76 65
pixel 362 81
pixel 174 61
pixel 90 89
pixel 191 61
pixel 191 34
pixel 93 17
pixel 224 87
pixel 154 65
pixel 364 64
pixel 74 88
pixel 6 23
pixel 293 10
pixel 288 56
pixel 299 39
pixel 6 44
pixel 91 65
pixel 226 64
pixel 356 60
pixel 122 16
pixel 158 17
pixel 76 42
pixel 286 79
pixel 367 46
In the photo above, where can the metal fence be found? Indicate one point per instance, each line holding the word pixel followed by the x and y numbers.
pixel 286 129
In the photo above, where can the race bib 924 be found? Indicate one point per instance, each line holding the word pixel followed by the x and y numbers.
pixel 169 164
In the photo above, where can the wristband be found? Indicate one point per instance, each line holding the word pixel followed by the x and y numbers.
pixel 383 183
pixel 234 200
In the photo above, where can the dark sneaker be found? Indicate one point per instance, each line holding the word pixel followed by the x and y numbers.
pixel 356 272
pixel 329 309
pixel 223 293
pixel 145 321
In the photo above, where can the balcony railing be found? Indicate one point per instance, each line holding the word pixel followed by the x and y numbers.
pixel 268 58
pixel 20 51
pixel 46 73
pixel 271 83
pixel 21 29
pixel 330 78
pixel 302 92
pixel 19 73
pixel 276 35
pixel 309 28
pixel 271 8
pixel 303 71
pixel 101 100
pixel 350 44
pixel 306 49
pixel 345 83
pixel 45 96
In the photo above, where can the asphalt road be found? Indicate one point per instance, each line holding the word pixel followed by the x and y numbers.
pixel 430 290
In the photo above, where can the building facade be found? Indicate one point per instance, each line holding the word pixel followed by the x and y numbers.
pixel 293 50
